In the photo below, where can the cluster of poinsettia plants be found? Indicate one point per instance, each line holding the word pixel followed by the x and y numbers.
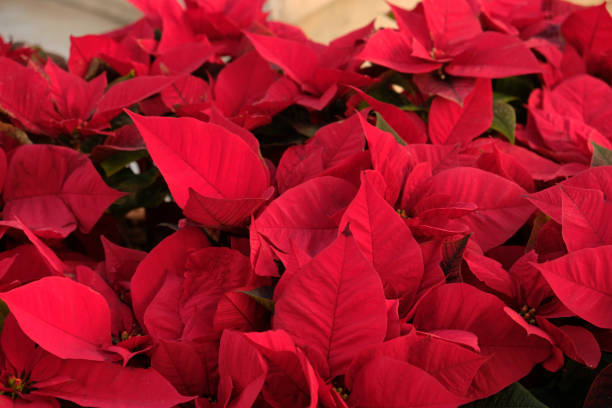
pixel 207 209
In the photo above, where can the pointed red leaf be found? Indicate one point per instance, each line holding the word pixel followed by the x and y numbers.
pixel 127 93
pixel 188 90
pixel 585 219
pixel 239 311
pixel 450 22
pixel 106 385
pixel 550 199
pixel 222 213
pixel 393 49
pixel 53 189
pixel 242 371
pixel 296 59
pixel 581 280
pixel 51 312
pixel 291 381
pixel 576 342
pixel 167 257
pixel 373 381
pixel 453 365
pixel 494 55
pixel 205 157
pixel 391 159
pixel 54 263
pixel 513 353
pixel 306 216
pixel 408 125
pixel 589 30
pixel 373 222
pixel 498 216
pixel 24 95
pixel 74 97
pixel 450 123
pixel 348 313
pixel 330 147
pixel 243 82
pixel 209 274
pixel 180 364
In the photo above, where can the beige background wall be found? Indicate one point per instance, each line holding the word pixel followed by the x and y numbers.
pixel 49 23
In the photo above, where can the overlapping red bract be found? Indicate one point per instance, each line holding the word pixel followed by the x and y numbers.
pixel 408 253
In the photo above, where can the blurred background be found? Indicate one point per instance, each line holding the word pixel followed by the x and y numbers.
pixel 49 23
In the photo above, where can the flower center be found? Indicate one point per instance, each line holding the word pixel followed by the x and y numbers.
pixel 402 213
pixel 441 74
pixel 16 385
pixel 343 392
pixel 528 313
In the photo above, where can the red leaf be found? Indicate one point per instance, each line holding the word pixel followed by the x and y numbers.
pixel 53 189
pixel 585 220
pixel 576 342
pixel 239 311
pixel 24 95
pixel 127 93
pixel 392 160
pixel 121 314
pixel 393 49
pixel 209 274
pixel 498 216
pixel 601 389
pixel 382 374
pixel 581 280
pixel 332 146
pixel 242 371
pixel 494 55
pixel 188 90
pixel 450 123
pixel 223 213
pixel 243 82
pixel 408 125
pixel 589 30
pixel 51 312
pixel 453 365
pixel 348 313
pixel 205 157
pixel 306 216
pixel 55 265
pixel 291 381
pixel 167 257
pixel 106 385
pixel 384 239
pixel 74 97
pixel 119 263
pixel 180 364
pixel 450 22
pixel 462 307
pixel 550 200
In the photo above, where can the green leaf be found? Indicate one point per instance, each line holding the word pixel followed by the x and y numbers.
pixel 502 97
pixel 129 75
pixel 382 124
pixel 514 396
pixel 504 119
pixel 518 86
pixel 263 296
pixel 601 156
pixel 4 311
pixel 452 256
pixel 119 160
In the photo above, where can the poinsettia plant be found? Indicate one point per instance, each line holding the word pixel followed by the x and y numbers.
pixel 206 208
